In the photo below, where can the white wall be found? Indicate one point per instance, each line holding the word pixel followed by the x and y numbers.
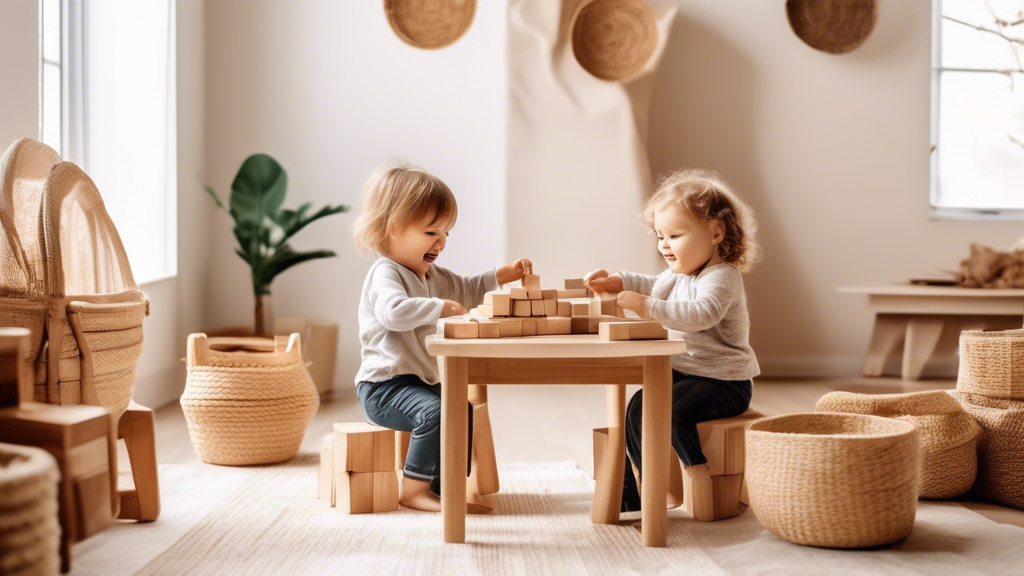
pixel 328 90
pixel 19 63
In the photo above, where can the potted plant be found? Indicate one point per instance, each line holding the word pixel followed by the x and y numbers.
pixel 263 228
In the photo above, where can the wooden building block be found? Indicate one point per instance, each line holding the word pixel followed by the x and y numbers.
pixel 575 284
pixel 501 304
pixel 551 307
pixel 575 293
pixel 563 308
pixel 538 307
pixel 646 330
pixel 519 294
pixel 385 491
pixel 489 329
pixel 529 326
pixel 580 309
pixel 549 295
pixel 353 491
pixel 483 310
pixel 559 325
pixel 535 294
pixel 510 328
pixel 603 304
pixel 360 447
pixel 722 503
pixel 531 281
pixel 580 325
pixel 325 476
pixel 722 442
pixel 461 329
pixel 522 308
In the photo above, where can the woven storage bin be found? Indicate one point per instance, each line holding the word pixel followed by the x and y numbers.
pixel 247 407
pixel 948 434
pixel 833 480
pixel 29 530
pixel 992 364
pixel 1000 448
pixel 64 275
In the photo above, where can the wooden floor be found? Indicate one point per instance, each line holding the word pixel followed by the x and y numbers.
pixel 552 423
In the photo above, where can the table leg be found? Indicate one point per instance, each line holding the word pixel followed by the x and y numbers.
pixel 888 332
pixel 657 431
pixel 922 336
pixel 454 440
pixel 608 491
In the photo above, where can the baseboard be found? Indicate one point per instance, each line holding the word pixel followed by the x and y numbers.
pixel 844 366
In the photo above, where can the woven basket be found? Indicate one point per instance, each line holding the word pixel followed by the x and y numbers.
pixel 948 435
pixel 66 278
pixel 430 23
pixel 247 407
pixel 29 530
pixel 833 26
pixel 833 480
pixel 992 364
pixel 614 39
pixel 1000 448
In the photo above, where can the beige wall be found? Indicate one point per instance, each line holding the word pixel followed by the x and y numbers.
pixel 19 62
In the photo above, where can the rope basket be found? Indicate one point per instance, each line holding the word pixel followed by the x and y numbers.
pixel 247 407
pixel 948 434
pixel 992 364
pixel 1000 448
pixel 833 26
pixel 833 480
pixel 29 530
pixel 66 278
pixel 614 40
pixel 429 23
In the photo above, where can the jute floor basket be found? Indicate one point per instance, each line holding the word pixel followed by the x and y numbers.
pixel 833 480
pixel 1000 448
pixel 29 530
pixel 65 276
pixel 948 434
pixel 249 406
pixel 992 364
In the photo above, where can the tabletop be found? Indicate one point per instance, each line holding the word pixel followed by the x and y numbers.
pixel 566 346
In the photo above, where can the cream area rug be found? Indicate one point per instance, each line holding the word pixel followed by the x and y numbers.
pixel 267 520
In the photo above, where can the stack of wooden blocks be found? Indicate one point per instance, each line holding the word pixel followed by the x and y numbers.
pixel 358 470
pixel 532 311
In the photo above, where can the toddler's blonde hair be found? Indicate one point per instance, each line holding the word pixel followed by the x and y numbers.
pixel 395 196
pixel 709 199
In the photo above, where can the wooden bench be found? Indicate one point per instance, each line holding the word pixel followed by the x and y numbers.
pixel 928 320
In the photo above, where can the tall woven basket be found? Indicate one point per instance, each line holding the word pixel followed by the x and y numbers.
pixel 992 364
pixel 833 480
pixel 948 434
pixel 248 406
pixel 1000 448
pixel 29 530
pixel 65 276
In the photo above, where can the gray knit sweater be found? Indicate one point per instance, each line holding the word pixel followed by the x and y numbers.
pixel 710 309
pixel 398 309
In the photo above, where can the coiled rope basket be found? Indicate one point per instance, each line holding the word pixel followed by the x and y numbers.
pixel 249 406
pixel 948 434
pixel 29 531
pixel 833 480
pixel 992 364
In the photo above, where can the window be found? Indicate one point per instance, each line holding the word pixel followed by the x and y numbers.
pixel 108 104
pixel 977 154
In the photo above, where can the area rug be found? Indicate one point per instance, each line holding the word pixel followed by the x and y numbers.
pixel 267 520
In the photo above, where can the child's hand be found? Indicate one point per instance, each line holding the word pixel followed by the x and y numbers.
pixel 514 271
pixel 453 308
pixel 634 301
pixel 600 281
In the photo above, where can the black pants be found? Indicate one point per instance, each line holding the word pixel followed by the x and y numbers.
pixel 694 399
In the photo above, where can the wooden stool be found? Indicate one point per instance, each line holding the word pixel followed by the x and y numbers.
pixel 139 490
pixel 357 469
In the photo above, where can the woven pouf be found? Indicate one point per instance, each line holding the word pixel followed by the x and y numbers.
pixel 1000 447
pixel 29 530
pixel 833 480
pixel 992 364
pixel 247 407
pixel 948 434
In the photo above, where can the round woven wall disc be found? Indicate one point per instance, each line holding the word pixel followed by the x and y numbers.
pixel 614 39
pixel 833 26
pixel 430 23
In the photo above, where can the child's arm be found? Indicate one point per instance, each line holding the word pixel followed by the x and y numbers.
pixel 715 293
pixel 600 281
pixel 469 290
pixel 397 311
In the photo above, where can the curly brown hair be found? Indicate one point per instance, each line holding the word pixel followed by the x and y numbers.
pixel 706 196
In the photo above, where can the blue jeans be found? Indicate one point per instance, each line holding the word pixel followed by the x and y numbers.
pixel 409 404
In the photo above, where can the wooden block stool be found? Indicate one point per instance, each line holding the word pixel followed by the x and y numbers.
pixel 357 469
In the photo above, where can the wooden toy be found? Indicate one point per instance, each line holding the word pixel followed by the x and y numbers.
pixel 499 301
pixel 510 328
pixel 461 329
pixel 604 304
pixel 537 307
pixel 358 465
pixel 646 330
pixel 580 309
pixel 535 294
pixel 529 326
pixel 365 492
pixel 360 447
pixel 580 325
pixel 531 282
pixel 575 284
pixel 523 308
pixel 563 308
pixel 488 328
pixel 519 294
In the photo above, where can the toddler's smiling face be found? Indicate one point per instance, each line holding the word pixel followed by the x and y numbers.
pixel 419 244
pixel 685 243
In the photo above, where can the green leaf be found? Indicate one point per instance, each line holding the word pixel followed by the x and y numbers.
pixel 301 222
pixel 258 189
pixel 215 198
pixel 284 258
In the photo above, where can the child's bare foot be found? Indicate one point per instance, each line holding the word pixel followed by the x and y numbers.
pixel 416 495
pixel 701 504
